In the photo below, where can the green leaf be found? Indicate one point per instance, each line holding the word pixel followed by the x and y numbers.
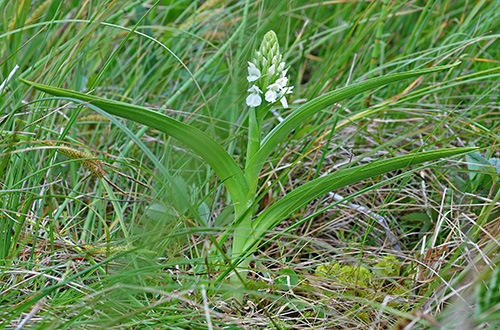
pixel 288 279
pixel 416 216
pixel 476 164
pixel 299 197
pixel 202 144
pixel 479 166
pixel 495 163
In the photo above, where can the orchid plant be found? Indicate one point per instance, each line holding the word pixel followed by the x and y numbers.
pixel 268 80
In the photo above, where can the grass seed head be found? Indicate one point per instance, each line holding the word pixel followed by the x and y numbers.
pixel 88 160
pixel 95 117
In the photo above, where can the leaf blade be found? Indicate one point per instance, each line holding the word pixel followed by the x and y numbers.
pixel 202 144
pixel 294 200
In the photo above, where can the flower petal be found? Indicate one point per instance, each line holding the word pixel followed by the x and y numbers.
pixel 275 87
pixel 253 72
pixel 284 103
pixel 271 96
pixel 282 82
pixel 254 100
pixel 252 78
pixel 254 89
pixel 272 69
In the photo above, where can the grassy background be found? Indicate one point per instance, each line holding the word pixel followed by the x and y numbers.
pixel 78 253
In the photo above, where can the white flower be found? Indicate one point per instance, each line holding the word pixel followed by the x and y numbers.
pixel 283 81
pixel 281 67
pixel 273 92
pixel 254 99
pixel 278 90
pixel 253 72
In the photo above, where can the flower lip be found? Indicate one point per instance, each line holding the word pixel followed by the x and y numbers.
pixel 273 92
pixel 271 96
pixel 284 102
pixel 254 99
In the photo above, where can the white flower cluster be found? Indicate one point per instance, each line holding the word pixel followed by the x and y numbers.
pixel 268 72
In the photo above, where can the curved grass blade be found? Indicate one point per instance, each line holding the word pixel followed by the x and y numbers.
pixel 202 144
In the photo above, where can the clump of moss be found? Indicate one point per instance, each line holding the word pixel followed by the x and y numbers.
pixel 388 267
pixel 374 283
pixel 379 276
pixel 356 275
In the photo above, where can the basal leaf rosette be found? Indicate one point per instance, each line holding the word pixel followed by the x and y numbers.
pixel 267 74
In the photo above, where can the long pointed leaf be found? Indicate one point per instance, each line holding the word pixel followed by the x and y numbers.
pixel 299 197
pixel 202 144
